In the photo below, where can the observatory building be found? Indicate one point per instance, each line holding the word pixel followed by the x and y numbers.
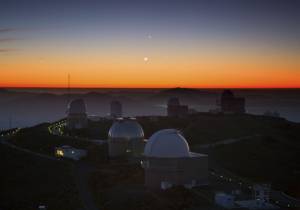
pixel 175 109
pixel 168 162
pixel 232 104
pixel 76 115
pixel 126 136
pixel 115 109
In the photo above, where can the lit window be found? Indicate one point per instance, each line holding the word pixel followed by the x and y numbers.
pixel 59 153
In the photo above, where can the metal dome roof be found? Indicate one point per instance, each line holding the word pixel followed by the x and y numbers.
pixel 126 129
pixel 77 106
pixel 167 143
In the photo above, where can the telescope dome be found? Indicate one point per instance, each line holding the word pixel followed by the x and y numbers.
pixel 77 106
pixel 126 129
pixel 167 143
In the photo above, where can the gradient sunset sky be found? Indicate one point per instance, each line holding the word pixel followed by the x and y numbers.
pixel 150 43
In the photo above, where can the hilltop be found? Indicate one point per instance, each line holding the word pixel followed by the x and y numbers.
pixel 258 148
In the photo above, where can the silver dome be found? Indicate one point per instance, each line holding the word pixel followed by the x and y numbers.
pixel 167 143
pixel 76 106
pixel 126 129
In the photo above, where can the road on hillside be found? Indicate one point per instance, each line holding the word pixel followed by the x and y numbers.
pixel 81 172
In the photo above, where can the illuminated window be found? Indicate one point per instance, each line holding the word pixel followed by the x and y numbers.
pixel 59 153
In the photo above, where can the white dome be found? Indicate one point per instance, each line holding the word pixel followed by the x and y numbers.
pixel 77 106
pixel 126 129
pixel 167 143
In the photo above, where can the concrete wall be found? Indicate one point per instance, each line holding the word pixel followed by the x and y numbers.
pixel 178 171
pixel 119 147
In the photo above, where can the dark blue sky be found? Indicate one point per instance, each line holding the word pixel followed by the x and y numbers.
pixel 277 17
pixel 211 43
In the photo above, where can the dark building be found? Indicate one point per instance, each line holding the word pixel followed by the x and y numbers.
pixel 175 109
pixel 116 109
pixel 232 104
pixel 174 101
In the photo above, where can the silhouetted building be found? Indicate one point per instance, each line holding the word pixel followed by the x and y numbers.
pixel 70 152
pixel 175 109
pixel 116 109
pixel 174 101
pixel 125 136
pixel 168 162
pixel 232 104
pixel 76 115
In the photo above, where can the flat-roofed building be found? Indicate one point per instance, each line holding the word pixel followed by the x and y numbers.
pixel 175 109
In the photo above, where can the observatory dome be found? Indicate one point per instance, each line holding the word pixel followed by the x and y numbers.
pixel 77 106
pixel 167 143
pixel 115 103
pixel 174 101
pixel 126 129
pixel 227 94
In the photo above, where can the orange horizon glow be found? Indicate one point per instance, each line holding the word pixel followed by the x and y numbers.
pixel 133 48
pixel 149 87
pixel 228 67
pixel 286 82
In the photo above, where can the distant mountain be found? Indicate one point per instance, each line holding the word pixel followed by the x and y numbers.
pixel 3 90
pixel 184 91
pixel 95 94
pixel 46 96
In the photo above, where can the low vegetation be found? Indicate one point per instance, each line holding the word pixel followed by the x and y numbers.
pixel 28 181
pixel 120 185
pixel 266 159
pixel 269 154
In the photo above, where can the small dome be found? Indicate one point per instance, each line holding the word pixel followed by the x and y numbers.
pixel 127 129
pixel 167 143
pixel 115 103
pixel 174 101
pixel 76 106
pixel 227 94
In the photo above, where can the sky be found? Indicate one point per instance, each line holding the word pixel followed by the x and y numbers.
pixel 150 43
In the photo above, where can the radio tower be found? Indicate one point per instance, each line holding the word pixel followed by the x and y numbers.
pixel 69 78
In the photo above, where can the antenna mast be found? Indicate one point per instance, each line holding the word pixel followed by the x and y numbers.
pixel 69 78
